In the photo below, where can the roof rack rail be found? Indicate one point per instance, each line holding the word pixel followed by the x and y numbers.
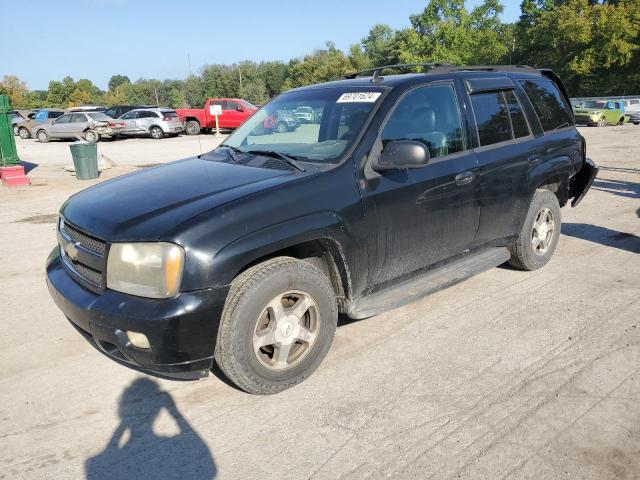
pixel 376 70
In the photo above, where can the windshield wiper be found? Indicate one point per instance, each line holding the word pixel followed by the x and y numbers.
pixel 231 152
pixel 272 153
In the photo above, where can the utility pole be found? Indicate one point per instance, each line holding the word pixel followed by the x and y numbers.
pixel 240 76
pixel 189 63
pixel 155 90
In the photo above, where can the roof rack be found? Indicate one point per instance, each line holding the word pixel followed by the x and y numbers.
pixel 376 70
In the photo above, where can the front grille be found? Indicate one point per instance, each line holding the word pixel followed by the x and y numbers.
pixel 87 268
pixel 87 241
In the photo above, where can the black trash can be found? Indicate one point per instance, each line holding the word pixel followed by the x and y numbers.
pixel 85 160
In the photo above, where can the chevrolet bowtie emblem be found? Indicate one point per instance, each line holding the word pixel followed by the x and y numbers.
pixel 71 249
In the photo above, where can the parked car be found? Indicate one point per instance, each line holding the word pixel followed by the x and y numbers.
pixel 87 108
pixel 155 122
pixel 17 117
pixel 246 254
pixel 26 128
pixel 281 121
pixel 599 113
pixel 91 126
pixel 305 114
pixel 234 112
pixel 635 118
pixel 118 110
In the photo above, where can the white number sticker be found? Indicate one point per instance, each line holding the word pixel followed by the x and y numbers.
pixel 359 97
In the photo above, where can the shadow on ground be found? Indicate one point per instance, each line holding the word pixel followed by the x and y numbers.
pixel 603 236
pixel 136 451
pixel 617 187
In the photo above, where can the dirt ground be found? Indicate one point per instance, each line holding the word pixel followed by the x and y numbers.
pixel 508 375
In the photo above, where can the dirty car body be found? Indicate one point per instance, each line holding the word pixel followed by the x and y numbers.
pixel 402 176
pixel 87 125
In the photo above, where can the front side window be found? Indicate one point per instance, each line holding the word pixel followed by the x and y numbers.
pixel 429 115
pixel 130 115
pixel 111 112
pixel 55 114
pixel 340 116
pixel 230 106
pixel 549 104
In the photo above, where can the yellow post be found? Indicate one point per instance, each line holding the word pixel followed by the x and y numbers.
pixel 217 127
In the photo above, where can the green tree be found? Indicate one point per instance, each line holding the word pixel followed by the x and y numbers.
pixel 321 66
pixel 16 89
pixel 117 80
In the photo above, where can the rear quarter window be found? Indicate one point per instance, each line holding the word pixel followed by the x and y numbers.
pixel 548 103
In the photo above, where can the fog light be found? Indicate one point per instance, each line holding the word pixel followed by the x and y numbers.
pixel 139 340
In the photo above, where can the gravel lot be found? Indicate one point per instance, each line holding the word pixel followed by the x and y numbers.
pixel 507 375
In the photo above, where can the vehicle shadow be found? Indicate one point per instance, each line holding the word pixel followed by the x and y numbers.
pixel 603 236
pixel 136 451
pixel 619 169
pixel 28 166
pixel 617 187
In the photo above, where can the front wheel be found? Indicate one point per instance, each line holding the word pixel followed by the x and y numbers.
pixel 282 127
pixel 540 233
pixel 156 133
pixel 277 325
pixel 602 122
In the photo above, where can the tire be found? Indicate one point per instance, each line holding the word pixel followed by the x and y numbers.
pixel 42 136
pixel 156 133
pixel 91 136
pixel 621 122
pixel 528 252
pixel 282 281
pixel 636 123
pixel 15 130
pixel 206 131
pixel 192 127
pixel 282 127
pixel 602 122
pixel 23 133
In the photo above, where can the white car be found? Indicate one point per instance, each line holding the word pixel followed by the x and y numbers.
pixel 156 122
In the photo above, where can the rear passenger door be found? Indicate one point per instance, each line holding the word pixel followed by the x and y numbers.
pixel 505 151
pixel 418 217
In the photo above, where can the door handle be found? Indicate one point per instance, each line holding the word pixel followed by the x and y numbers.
pixel 534 159
pixel 464 178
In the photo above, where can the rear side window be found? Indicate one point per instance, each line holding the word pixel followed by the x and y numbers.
pixel 429 115
pixel 499 117
pixel 169 114
pixel 78 118
pixel 552 110
pixel 492 117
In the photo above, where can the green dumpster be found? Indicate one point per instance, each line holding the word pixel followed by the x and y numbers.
pixel 85 160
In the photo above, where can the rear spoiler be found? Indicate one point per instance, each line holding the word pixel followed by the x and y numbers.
pixel 550 74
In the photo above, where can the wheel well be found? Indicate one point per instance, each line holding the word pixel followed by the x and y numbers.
pixel 326 255
pixel 560 189
pixel 192 119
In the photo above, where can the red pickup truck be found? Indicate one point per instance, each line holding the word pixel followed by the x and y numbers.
pixel 234 112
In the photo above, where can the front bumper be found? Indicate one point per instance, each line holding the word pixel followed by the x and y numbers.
pixel 182 331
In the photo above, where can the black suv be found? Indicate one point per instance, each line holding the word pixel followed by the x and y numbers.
pixel 247 254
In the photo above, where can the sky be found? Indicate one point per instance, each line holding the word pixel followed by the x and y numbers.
pixel 95 39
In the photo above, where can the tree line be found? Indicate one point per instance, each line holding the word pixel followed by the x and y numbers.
pixel 594 45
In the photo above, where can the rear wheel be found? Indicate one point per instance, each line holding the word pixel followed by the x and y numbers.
pixel 43 136
pixel 24 133
pixel 15 130
pixel 282 127
pixel 156 133
pixel 540 233
pixel 91 136
pixel 602 122
pixel 278 324
pixel 192 127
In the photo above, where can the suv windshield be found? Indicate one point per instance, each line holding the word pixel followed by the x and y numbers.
pixel 339 116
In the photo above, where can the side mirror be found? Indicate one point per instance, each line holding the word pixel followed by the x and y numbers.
pixel 402 155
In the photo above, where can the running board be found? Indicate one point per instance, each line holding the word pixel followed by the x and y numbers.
pixel 429 282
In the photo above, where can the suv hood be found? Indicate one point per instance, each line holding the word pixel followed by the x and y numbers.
pixel 144 205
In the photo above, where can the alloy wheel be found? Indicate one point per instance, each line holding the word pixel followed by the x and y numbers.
pixel 286 330
pixel 543 230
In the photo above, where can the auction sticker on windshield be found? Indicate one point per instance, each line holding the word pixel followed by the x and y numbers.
pixel 359 97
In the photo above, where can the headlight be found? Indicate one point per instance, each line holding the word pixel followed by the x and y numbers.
pixel 595 114
pixel 152 270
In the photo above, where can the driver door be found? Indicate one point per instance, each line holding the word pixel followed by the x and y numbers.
pixel 60 126
pixel 129 120
pixel 420 216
